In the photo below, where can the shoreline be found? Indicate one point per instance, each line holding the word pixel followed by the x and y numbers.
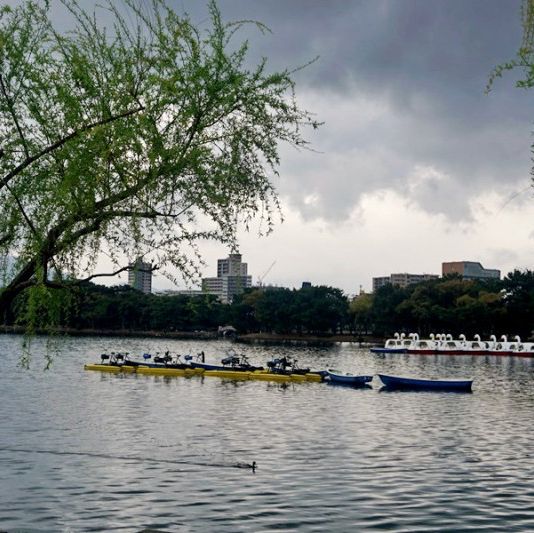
pixel 19 330
pixel 246 338
pixel 295 339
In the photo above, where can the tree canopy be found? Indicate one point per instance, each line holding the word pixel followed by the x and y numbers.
pixel 136 134
pixel 447 305
pixel 452 305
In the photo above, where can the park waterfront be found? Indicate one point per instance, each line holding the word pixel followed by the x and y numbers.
pixel 248 338
pixel 274 314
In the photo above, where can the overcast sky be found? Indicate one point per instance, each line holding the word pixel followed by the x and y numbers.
pixel 415 164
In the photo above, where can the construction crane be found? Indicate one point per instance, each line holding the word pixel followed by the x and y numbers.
pixel 262 277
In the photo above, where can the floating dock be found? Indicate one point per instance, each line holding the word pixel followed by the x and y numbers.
pixel 189 372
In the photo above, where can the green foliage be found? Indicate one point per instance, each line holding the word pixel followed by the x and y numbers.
pixel 138 138
pixel 322 309
pixel 451 305
pixel 385 310
pixel 96 307
pixel 274 310
pixel 524 60
pixel 242 312
pixel 519 299
pixel 315 310
pixel 448 305
pixel 360 312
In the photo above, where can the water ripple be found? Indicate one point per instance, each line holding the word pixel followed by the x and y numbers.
pixel 83 451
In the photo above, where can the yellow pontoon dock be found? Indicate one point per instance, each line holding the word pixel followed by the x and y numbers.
pixel 186 372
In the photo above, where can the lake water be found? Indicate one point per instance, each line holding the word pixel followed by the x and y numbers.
pixel 85 451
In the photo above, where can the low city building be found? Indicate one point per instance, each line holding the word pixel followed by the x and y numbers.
pixel 469 270
pixel 180 292
pixel 401 279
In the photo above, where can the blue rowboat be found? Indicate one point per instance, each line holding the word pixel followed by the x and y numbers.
pixel 181 366
pixel 334 376
pixel 394 382
pixel 389 350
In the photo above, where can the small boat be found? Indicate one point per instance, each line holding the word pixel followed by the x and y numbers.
pixel 389 350
pixel 394 382
pixel 335 376
pixel 398 344
pixel 444 344
pixel 232 362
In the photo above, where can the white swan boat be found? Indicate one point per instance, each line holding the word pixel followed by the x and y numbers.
pixel 445 344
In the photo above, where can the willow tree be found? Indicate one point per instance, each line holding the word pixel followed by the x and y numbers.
pixel 524 60
pixel 134 133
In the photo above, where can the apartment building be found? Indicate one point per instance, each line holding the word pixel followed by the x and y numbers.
pixel 140 276
pixel 401 279
pixel 232 278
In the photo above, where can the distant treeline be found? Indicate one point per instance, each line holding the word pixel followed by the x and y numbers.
pixel 449 304
pixel 96 307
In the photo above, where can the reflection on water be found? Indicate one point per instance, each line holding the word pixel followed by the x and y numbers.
pixel 84 451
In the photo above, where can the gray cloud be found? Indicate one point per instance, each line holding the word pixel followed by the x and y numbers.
pixel 401 88
pixel 425 63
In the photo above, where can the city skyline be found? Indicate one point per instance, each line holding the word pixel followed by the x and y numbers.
pixel 415 165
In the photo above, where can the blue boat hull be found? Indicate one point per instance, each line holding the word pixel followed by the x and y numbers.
pixel 353 381
pixel 389 350
pixel 394 382
pixel 182 366
pixel 207 366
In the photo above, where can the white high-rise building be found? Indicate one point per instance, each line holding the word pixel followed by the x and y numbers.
pixel 140 276
pixel 232 279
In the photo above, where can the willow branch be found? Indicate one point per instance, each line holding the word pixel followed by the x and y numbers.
pixel 58 144
pixel 13 115
pixel 77 282
pixel 22 210
pixel 128 268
